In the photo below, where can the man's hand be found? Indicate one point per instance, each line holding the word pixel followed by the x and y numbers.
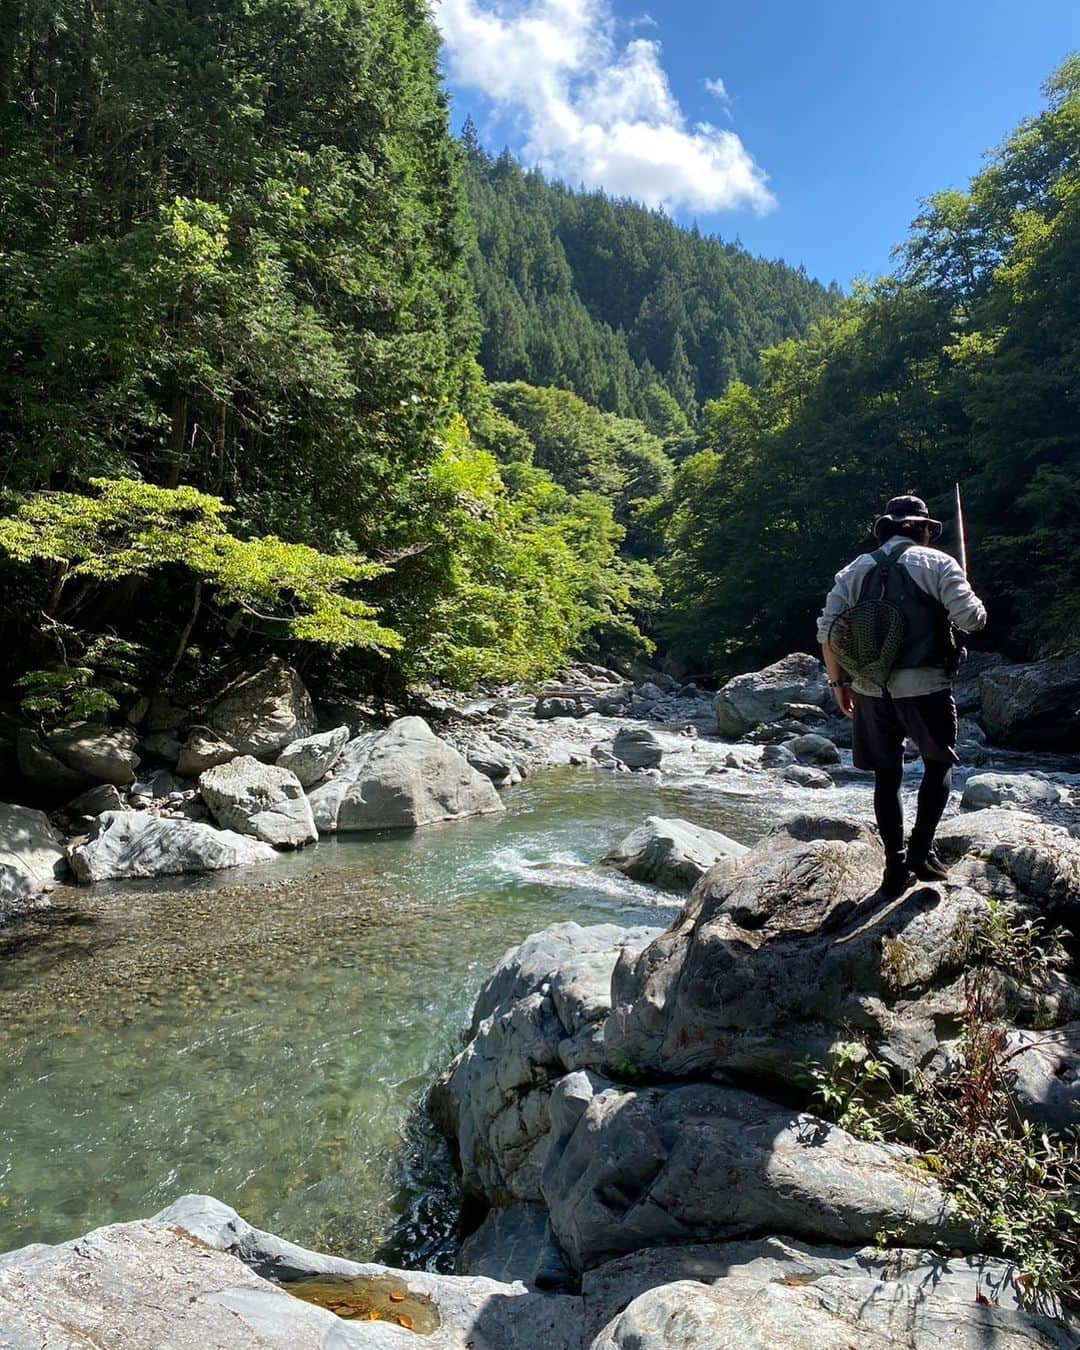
pixel 845 699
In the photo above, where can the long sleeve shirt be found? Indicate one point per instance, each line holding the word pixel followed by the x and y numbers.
pixel 941 577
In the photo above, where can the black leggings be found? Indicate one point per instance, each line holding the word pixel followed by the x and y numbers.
pixel 889 810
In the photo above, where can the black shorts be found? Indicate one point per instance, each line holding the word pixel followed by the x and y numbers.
pixel 881 725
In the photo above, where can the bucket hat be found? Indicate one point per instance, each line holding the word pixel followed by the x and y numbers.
pixel 907 510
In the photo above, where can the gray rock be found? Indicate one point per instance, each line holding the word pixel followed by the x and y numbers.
pixel 204 749
pixel 163 715
pixel 494 761
pixel 162 745
pixel 788 951
pixel 538 1017
pixel 138 844
pixel 802 775
pixel 776 757
pixel 556 705
pixel 762 695
pixel 104 797
pixel 739 757
pixel 1009 789
pixel 813 749
pixel 805 712
pixel 871 1312
pixel 156 786
pixel 20 888
pixel 638 748
pixel 103 754
pixel 27 835
pixel 264 800
pixel 516 1244
pixel 266 712
pixel 1044 1072
pixel 971 743
pixel 44 770
pixel 672 854
pixel 966 687
pixel 403 777
pixel 1021 857
pixel 972 1283
pixel 643 1168
pixel 312 758
pixel 650 693
pixel 197 1277
pixel 1034 706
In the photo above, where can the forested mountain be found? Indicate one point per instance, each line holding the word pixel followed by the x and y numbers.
pixel 965 366
pixel 615 301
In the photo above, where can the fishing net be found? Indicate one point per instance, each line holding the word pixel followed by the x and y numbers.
pixel 866 639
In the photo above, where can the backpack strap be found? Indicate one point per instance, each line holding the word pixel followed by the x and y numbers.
pixel 884 561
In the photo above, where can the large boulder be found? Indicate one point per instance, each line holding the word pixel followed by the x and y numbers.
pixel 672 854
pixel 103 797
pixel 125 844
pixel 203 749
pixel 102 754
pixel 43 769
pixel 550 706
pixel 763 695
pixel 645 1167
pixel 27 835
pixel 312 758
pixel 638 748
pixel 1009 789
pixel 966 690
pixel 263 800
pixel 516 1243
pixel 785 952
pixel 266 712
pixel 1034 706
pixel 401 778
pixel 538 1017
pixel 1013 855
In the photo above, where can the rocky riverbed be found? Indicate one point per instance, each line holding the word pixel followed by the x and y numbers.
pixel 640 1160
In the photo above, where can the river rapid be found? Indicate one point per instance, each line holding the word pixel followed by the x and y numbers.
pixel 267 1037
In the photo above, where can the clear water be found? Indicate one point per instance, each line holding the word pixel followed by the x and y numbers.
pixel 267 1038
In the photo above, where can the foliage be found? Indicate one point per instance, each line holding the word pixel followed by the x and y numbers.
pixel 615 302
pixel 1016 1185
pixel 962 367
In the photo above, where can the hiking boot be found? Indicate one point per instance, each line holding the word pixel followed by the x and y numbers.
pixel 897 877
pixel 927 866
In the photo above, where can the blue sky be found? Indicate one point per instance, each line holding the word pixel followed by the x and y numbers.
pixel 808 130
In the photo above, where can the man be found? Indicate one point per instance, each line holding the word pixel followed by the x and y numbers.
pixel 916 700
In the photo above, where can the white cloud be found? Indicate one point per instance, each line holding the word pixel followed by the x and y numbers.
pixel 645 20
pixel 718 89
pixel 591 111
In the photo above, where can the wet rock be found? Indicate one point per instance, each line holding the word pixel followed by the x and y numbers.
pixel 516 1243
pixel 672 854
pixel 403 777
pixel 558 705
pixel 103 754
pixel 138 844
pixel 1009 789
pixel 629 1169
pixel 638 748
pixel 802 775
pixel 104 797
pixel 312 758
pixel 817 751
pixel 739 757
pixel 1044 1075
pixel 264 800
pixel 1034 706
pixel 776 757
pixel 762 695
pixel 537 1018
pixel 266 712
pixel 203 749
pixel 788 951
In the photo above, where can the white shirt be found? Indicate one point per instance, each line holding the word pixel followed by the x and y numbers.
pixel 934 572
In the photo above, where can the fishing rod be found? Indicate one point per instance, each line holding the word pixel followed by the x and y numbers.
pixel 961 533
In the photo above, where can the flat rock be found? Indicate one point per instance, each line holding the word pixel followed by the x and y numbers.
pixel 103 754
pixel 638 1168
pixel 401 778
pixel 763 695
pixel 139 844
pixel 266 712
pixel 671 853
pixel 312 758
pixel 1009 789
pixel 785 952
pixel 263 800
pixel 638 748
pixel 1034 706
